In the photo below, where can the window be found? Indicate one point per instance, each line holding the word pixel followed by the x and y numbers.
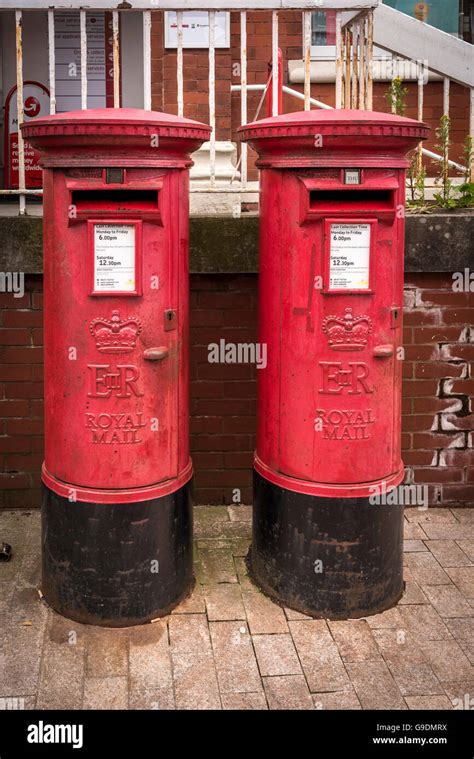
pixel 323 34
pixel 443 14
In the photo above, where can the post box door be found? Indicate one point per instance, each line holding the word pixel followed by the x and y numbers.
pixel 120 391
pixel 339 378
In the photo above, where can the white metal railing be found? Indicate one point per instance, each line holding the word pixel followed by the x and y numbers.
pixel 355 35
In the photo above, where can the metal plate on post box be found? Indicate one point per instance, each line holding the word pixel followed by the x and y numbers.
pixel 349 256
pixel 114 258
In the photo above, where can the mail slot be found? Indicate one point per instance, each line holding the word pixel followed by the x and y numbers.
pixel 117 519
pixel 329 399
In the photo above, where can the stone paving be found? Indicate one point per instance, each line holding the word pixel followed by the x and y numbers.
pixel 229 647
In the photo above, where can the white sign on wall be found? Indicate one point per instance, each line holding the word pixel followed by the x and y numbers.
pixel 349 256
pixel 114 258
pixel 196 29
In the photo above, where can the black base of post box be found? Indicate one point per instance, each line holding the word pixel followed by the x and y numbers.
pixel 332 558
pixel 117 564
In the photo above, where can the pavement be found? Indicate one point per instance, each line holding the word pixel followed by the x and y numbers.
pixel 229 647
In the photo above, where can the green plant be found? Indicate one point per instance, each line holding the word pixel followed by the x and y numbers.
pixel 416 182
pixel 451 195
pixel 396 95
pixel 445 198
pixel 466 190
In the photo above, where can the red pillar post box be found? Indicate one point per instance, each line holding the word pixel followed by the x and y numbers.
pixel 117 519
pixel 329 399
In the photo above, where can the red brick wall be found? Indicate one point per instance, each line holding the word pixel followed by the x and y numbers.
pixel 21 393
pixel 223 396
pixel 195 81
pixel 259 53
pixel 438 420
pixel 438 390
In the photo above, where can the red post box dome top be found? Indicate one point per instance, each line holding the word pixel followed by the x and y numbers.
pixel 333 137
pixel 115 136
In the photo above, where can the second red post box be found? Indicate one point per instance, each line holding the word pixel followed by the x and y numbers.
pixel 329 400
pixel 117 515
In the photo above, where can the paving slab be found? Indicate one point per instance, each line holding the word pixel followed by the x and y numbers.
pixel 263 615
pixel 224 602
pixel 319 656
pixel 228 646
pixel 105 693
pixel 448 553
pixel 288 692
pixel 375 685
pixel 354 640
pixel 234 656
pixel 276 655
pixel 447 660
pixel 335 701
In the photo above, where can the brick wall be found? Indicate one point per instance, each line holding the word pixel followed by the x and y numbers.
pixel 438 419
pixel 21 393
pixel 259 53
pixel 223 396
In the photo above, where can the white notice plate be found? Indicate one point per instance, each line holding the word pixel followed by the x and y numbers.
pixel 349 256
pixel 114 258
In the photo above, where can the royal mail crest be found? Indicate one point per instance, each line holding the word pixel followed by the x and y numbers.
pixel 115 335
pixel 347 332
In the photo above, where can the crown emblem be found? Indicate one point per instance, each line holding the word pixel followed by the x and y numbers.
pixel 115 335
pixel 347 332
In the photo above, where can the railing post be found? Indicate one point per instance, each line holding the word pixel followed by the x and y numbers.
pixel 471 131
pixel 212 97
pixel 446 87
pixel 276 66
pixel 339 62
pixel 147 60
pixel 307 59
pixel 20 110
pixel 243 93
pixel 347 70
pixel 82 17
pixel 421 77
pixel 116 57
pixel 51 63
pixel 355 63
pixel 271 109
pixel 370 60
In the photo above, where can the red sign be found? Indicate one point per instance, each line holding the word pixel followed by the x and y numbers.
pixel 35 103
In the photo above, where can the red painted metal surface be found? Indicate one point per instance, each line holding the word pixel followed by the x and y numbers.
pixel 116 301
pixel 331 298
